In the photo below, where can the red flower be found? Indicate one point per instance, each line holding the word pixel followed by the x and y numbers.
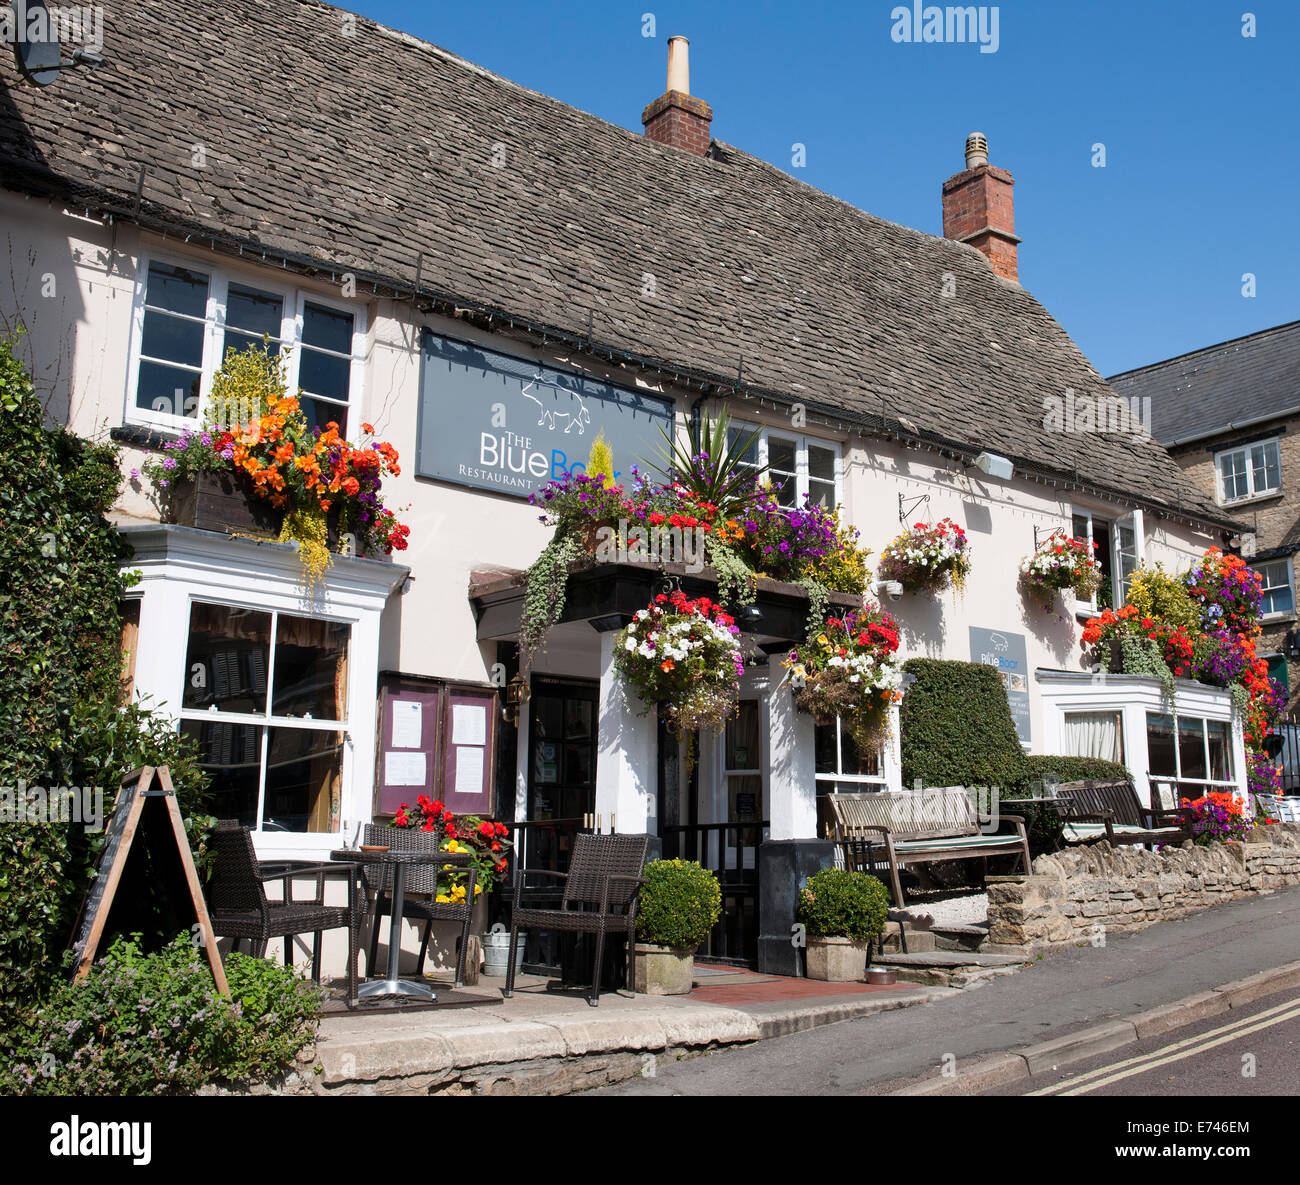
pixel 502 829
pixel 485 829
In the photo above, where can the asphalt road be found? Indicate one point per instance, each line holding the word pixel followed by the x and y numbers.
pixel 1062 993
pixel 1252 1051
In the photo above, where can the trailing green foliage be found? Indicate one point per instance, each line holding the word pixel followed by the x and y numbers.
pixel 152 1024
pixel 61 680
pixel 545 587
pixel 836 903
pixel 680 903
pixel 957 728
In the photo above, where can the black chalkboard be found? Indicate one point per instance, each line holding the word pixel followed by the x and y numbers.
pixel 146 789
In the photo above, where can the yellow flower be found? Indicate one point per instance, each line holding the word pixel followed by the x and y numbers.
pixel 442 899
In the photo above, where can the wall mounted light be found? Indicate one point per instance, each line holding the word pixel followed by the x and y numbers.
pixel 892 588
pixel 994 465
pixel 516 696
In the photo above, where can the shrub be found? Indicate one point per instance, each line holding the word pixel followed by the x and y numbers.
pixel 152 1024
pixel 680 903
pixel 957 728
pixel 1156 594
pixel 835 903
pixel 60 678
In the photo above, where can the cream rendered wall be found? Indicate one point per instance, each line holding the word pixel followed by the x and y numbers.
pixel 79 346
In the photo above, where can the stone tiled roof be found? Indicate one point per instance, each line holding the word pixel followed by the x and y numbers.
pixel 1220 387
pixel 364 151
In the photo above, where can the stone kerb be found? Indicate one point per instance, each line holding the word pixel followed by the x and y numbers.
pixel 1079 894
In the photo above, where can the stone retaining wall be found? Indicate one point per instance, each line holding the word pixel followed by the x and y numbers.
pixel 1081 894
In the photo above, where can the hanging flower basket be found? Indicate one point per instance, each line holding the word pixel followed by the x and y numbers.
pixel 851 671
pixel 927 557
pixel 1062 563
pixel 683 654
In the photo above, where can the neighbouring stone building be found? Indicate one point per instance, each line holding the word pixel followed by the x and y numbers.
pixel 1229 415
pixel 441 249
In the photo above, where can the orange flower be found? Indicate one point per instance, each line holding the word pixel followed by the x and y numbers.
pixel 666 665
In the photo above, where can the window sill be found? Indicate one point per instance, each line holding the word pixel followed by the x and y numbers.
pixel 142 437
pixel 1253 499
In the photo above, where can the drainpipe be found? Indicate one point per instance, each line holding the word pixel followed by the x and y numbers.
pixel 695 423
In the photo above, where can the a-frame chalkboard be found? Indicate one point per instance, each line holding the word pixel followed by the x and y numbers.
pixel 136 795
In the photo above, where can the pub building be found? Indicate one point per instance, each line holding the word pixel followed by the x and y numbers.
pixel 492 278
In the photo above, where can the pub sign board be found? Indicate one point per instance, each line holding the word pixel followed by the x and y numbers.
pixel 496 422
pixel 1006 652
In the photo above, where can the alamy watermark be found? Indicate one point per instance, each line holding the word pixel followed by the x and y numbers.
pixel 655 544
pixel 69 24
pixel 952 24
pixel 57 804
pixel 1111 415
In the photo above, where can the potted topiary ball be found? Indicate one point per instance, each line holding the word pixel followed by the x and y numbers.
pixel 842 914
pixel 679 905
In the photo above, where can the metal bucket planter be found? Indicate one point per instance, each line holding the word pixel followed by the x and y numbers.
pixel 496 951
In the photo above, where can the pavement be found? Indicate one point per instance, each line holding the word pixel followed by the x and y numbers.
pixel 1069 998
pixel 548 1041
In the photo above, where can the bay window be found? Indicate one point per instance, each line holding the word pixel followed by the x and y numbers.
pixel 1095 734
pixel 187 318
pixel 265 699
pixel 842 768
pixel 1190 749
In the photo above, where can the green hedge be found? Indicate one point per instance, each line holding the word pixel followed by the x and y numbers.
pixel 61 679
pixel 957 728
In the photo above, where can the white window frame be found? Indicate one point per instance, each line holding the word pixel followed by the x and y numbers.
pixel 1133 520
pixel 1288 564
pixel 1252 492
pixel 265 721
pixel 878 781
pixel 1208 783
pixel 801 443
pixel 291 324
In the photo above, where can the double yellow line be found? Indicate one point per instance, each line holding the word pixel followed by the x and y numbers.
pixel 1118 1071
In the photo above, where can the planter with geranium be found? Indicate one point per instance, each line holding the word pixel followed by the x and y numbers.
pixel 262 470
pixel 1217 817
pixel 679 905
pixel 849 670
pixel 484 840
pixel 684 656
pixel 1061 563
pixel 842 914
pixel 927 557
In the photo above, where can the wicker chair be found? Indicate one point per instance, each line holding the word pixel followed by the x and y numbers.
pixel 604 873
pixel 420 878
pixel 239 907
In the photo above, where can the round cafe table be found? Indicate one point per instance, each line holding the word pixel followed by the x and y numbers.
pixel 398 859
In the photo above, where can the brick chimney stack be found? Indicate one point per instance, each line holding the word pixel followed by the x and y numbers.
pixel 677 118
pixel 978 208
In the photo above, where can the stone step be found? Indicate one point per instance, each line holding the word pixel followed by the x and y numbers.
pixel 951 968
pixel 960 937
pixel 917 940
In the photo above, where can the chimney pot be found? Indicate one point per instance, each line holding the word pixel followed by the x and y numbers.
pixel 679 65
pixel 977 150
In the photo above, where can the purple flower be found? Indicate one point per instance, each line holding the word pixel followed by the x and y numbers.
pixel 169 462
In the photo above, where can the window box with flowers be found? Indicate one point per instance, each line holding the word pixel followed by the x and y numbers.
pixel 256 468
pixel 927 557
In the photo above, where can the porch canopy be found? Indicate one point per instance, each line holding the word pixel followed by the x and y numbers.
pixel 604 597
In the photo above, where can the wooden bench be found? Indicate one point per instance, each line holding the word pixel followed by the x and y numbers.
pixel 922 826
pixel 1094 810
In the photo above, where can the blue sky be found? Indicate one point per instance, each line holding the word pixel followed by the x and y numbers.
pixel 1140 260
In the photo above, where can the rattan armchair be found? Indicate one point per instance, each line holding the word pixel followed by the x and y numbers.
pixel 239 907
pixel 600 896
pixel 421 879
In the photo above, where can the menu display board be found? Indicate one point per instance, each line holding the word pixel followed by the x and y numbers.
pixel 436 739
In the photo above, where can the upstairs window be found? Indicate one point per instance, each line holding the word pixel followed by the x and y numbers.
pixel 188 318
pixel 1250 472
pixel 798 467
pixel 1279 593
